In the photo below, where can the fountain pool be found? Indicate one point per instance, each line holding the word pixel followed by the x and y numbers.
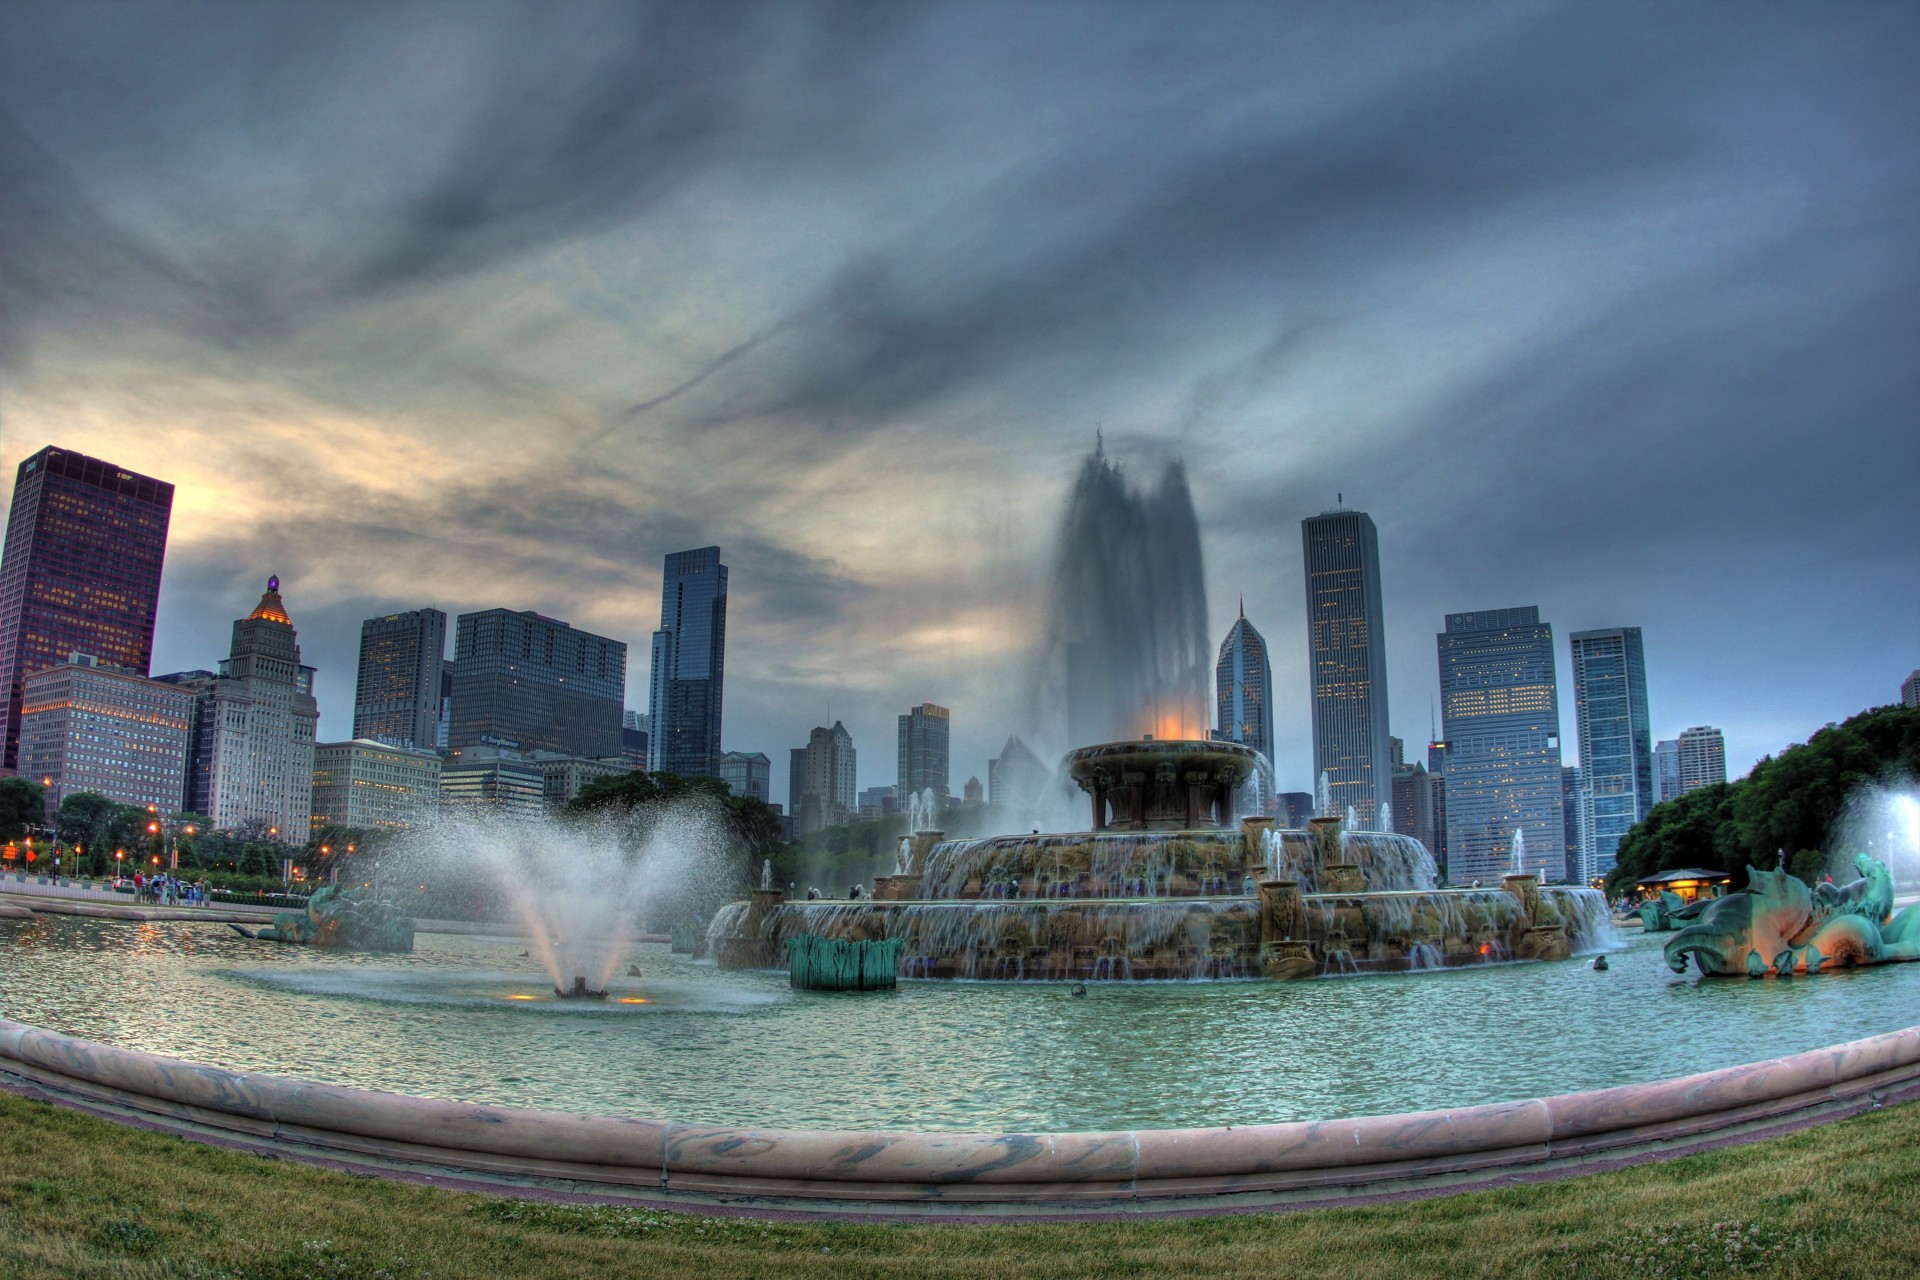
pixel 467 1018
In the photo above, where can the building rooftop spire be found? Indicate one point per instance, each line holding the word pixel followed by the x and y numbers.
pixel 271 607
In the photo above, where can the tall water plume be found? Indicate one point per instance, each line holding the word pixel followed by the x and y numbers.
pixel 1127 651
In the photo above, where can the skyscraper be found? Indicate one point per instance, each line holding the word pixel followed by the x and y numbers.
pixel 1413 803
pixel 1910 691
pixel 689 665
pixel 80 574
pixel 1243 701
pixel 923 753
pixel 397 697
pixel 1703 758
pixel 1573 822
pixel 748 774
pixel 1500 716
pixel 820 788
pixel 531 683
pixel 1017 778
pixel 367 784
pixel 252 764
pixel 1666 769
pixel 1346 642
pixel 1437 784
pixel 1616 745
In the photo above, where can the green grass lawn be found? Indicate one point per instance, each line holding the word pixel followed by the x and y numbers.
pixel 84 1197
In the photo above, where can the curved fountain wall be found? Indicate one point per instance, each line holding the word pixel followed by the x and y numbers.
pixel 925 1173
pixel 1192 904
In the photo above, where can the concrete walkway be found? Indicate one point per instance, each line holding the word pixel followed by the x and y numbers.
pixel 21 898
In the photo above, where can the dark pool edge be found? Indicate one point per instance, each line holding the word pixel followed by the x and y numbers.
pixel 960 1177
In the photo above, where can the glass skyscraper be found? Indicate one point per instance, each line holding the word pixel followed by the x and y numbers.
pixel 531 683
pixel 924 733
pixel 81 572
pixel 397 698
pixel 1616 745
pixel 1501 720
pixel 689 665
pixel 1347 650
pixel 1243 701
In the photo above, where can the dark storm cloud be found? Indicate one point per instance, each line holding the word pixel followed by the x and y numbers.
pixel 1548 288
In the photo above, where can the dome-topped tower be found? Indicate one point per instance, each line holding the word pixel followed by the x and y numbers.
pixel 271 607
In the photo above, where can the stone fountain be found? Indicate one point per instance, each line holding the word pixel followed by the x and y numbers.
pixel 1166 886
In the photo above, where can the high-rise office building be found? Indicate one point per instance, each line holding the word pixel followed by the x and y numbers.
pixel 1295 809
pixel 689 665
pixel 563 777
pixel 1616 744
pixel 1910 691
pixel 1703 758
pixel 1666 769
pixel 1437 784
pixel 85 726
pixel 1572 822
pixel 923 753
pixel 1243 703
pixel 748 774
pixel 445 726
pixel 369 784
pixel 1346 647
pixel 531 683
pixel 80 574
pixel 1413 803
pixel 1500 716
pixel 403 659
pixel 974 792
pixel 252 764
pixel 820 788
pixel 496 781
pixel 1017 778
pixel 877 803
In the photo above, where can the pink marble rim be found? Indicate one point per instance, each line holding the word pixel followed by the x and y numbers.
pixel 902 1165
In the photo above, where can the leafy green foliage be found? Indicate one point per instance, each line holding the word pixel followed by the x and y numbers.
pixel 751 824
pixel 22 804
pixel 1786 807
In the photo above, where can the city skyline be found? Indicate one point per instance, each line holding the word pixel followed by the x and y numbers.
pixel 862 350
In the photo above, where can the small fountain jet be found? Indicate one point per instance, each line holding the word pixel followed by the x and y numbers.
pixel 579 991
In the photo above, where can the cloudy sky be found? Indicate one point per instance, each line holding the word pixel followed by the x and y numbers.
pixel 1604 308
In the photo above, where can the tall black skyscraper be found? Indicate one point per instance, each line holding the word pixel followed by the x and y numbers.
pixel 689 665
pixel 536 684
pixel 397 699
pixel 1347 647
pixel 81 573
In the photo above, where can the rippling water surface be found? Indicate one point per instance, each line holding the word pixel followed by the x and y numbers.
pixel 691 1043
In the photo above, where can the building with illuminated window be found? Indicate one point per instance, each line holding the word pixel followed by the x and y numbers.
pixel 80 574
pixel 489 779
pixel 1666 769
pixel 371 784
pixel 251 767
pixel 396 698
pixel 923 753
pixel 1347 655
pixel 85 726
pixel 689 666
pixel 1616 744
pixel 1703 758
pixel 1500 718
pixel 536 682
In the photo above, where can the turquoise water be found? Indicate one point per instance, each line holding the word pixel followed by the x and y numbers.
pixel 742 1048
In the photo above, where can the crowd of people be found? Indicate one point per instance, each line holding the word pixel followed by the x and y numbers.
pixel 166 890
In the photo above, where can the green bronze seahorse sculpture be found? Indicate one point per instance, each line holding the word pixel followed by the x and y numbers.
pixel 1778 925
pixel 344 921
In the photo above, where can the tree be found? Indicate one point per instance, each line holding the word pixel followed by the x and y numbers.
pixel 1787 808
pixel 752 826
pixel 98 826
pixel 22 804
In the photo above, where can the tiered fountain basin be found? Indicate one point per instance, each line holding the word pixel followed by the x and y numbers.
pixel 1135 899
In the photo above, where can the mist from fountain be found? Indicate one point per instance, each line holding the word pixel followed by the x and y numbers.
pixel 1126 646
pixel 1323 796
pixel 1881 819
pixel 578 888
pixel 1519 852
pixel 1386 817
pixel 923 811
